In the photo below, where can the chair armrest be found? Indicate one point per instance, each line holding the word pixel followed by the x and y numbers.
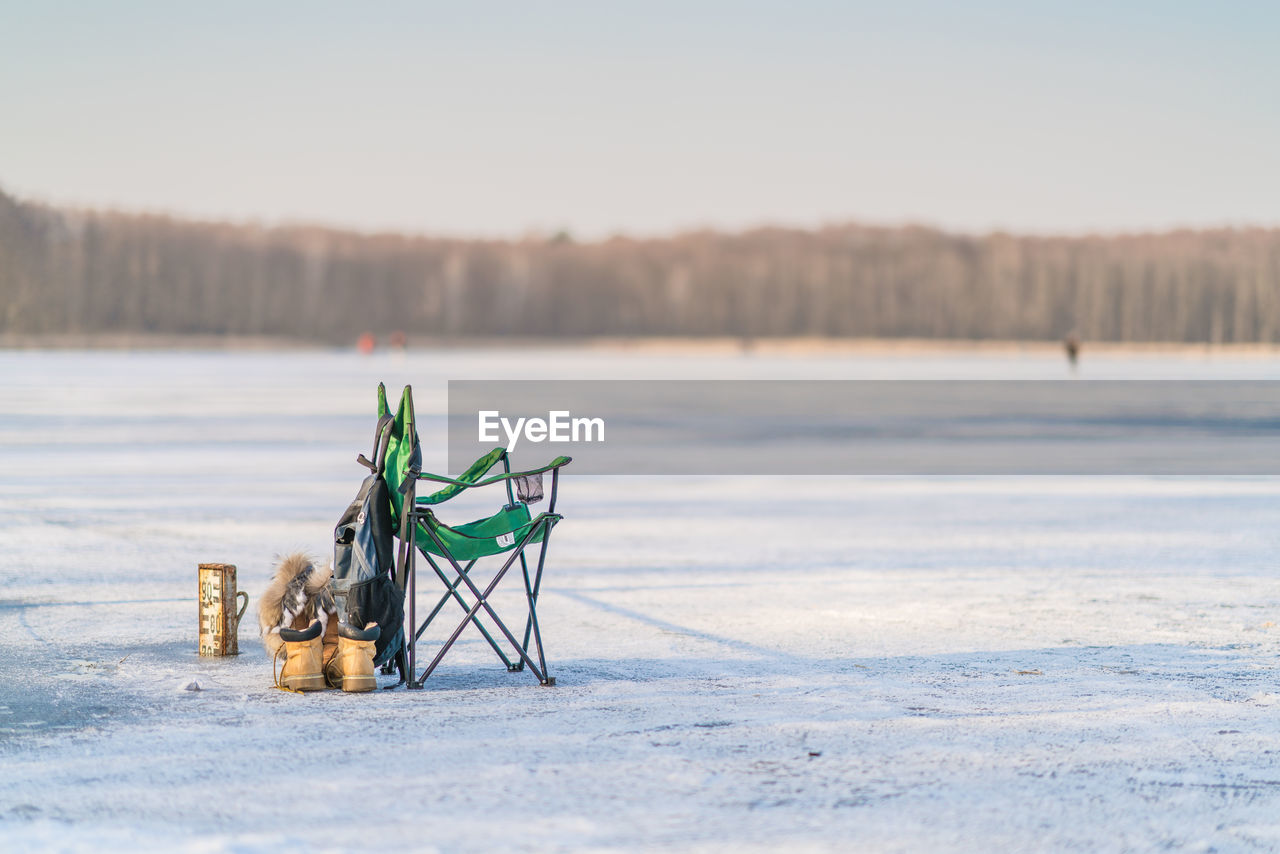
pixel 457 485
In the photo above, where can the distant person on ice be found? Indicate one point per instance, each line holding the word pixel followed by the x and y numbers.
pixel 1072 345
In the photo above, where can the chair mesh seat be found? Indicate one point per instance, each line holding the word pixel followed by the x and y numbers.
pixel 499 533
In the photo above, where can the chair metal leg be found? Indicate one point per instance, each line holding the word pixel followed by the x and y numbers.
pixel 537 583
pixel 531 592
pixel 411 592
pixel 524 570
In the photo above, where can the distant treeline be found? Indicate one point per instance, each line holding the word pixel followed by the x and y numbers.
pixel 91 272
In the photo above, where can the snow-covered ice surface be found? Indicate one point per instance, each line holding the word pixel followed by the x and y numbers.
pixel 743 663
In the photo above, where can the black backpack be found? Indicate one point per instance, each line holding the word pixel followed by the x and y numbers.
pixel 364 587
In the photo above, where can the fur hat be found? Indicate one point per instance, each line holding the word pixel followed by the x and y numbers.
pixel 297 595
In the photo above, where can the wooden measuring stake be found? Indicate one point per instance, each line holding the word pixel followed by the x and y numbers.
pixel 219 619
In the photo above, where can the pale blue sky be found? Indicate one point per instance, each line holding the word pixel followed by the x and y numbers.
pixel 496 118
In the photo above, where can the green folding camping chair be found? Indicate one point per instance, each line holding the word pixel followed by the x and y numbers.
pixel 510 531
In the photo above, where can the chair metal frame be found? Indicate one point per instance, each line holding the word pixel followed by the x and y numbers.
pixel 416 517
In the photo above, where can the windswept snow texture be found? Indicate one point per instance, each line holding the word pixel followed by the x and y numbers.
pixel 743 664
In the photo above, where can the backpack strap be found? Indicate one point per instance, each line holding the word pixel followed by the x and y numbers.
pixel 381 439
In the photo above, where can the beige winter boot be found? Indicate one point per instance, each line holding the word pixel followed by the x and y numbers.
pixel 302 671
pixel 351 669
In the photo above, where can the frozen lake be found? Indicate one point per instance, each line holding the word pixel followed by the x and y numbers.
pixel 822 663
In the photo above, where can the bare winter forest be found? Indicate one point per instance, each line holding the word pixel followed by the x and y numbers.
pixel 94 272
